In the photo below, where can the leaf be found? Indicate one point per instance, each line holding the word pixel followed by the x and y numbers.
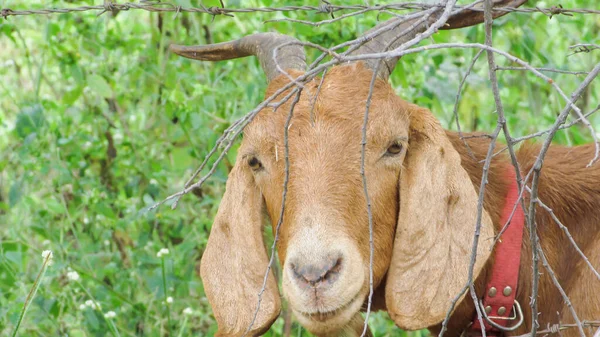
pixel 15 193
pixel 8 29
pixel 54 206
pixel 196 120
pixel 148 200
pixel 99 85
pixel 30 120
pixel 77 74
pixel 105 210
pixel 72 95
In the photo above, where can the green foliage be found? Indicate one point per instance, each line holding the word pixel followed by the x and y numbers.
pixel 98 121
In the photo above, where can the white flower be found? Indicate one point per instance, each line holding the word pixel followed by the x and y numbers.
pixel 92 304
pixel 73 276
pixel 47 255
pixel 86 220
pixel 82 307
pixel 118 135
pixel 169 300
pixel 106 243
pixel 162 252
pixel 110 314
pixel 187 311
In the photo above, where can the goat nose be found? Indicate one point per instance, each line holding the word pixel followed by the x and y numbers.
pixel 317 274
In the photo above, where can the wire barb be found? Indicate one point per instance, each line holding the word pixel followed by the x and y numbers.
pixel 6 12
pixel 554 10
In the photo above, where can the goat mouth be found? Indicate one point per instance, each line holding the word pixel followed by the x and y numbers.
pixel 322 316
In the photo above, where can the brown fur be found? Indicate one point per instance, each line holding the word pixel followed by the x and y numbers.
pixel 572 191
pixel 325 210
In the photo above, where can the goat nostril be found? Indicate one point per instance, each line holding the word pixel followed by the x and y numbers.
pixel 317 274
pixel 335 269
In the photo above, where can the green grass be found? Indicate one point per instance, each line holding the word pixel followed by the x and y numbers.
pixel 98 121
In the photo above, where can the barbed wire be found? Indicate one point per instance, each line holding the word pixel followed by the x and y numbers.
pixel 324 8
pixel 557 328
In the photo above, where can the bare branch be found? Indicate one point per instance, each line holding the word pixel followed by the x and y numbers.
pixel 566 230
pixel 562 292
pixel 283 199
pixel 363 150
pixel 457 101
pixel 550 70
pixel 565 126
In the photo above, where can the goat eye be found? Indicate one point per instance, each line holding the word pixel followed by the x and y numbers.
pixel 394 149
pixel 254 163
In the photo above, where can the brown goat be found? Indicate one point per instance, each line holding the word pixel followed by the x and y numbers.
pixel 422 183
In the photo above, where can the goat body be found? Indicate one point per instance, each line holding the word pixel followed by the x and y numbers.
pixel 572 191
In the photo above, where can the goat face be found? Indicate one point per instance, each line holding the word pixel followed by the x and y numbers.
pixel 324 236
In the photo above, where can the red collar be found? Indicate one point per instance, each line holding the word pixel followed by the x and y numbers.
pixel 499 304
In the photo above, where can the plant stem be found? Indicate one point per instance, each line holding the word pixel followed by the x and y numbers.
pixel 185 319
pixel 167 304
pixel 32 292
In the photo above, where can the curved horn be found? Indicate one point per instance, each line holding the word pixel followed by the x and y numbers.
pixel 262 45
pixel 406 31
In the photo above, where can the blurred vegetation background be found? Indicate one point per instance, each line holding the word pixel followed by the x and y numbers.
pixel 98 121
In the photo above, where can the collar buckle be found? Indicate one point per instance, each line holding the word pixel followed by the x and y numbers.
pixel 516 312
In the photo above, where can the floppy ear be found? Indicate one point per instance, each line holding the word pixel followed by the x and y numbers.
pixel 235 260
pixel 434 236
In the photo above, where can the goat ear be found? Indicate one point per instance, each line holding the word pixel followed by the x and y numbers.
pixel 235 260
pixel 434 235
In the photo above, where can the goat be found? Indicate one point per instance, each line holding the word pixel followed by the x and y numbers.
pixel 422 183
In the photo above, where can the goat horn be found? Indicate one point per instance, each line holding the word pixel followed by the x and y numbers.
pixel 395 37
pixel 290 55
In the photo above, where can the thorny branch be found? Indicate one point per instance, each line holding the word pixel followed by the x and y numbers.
pixel 499 106
pixel 457 101
pixel 546 69
pixel 536 169
pixel 363 150
pixel 568 234
pixel 564 126
pixel 561 290
pixel 283 199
